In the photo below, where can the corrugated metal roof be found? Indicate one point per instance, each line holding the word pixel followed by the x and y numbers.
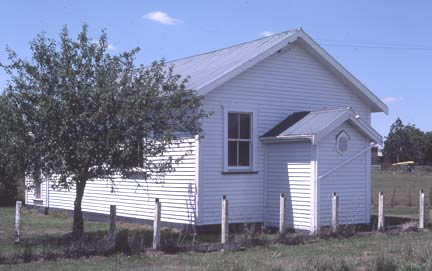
pixel 286 123
pixel 314 122
pixel 317 124
pixel 209 70
pixel 204 68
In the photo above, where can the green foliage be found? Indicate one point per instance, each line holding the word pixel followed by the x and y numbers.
pixel 11 154
pixel 8 193
pixel 428 148
pixel 82 113
pixel 407 143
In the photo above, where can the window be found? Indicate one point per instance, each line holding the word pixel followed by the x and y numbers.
pixel 239 139
pixel 38 190
pixel 38 185
pixel 342 142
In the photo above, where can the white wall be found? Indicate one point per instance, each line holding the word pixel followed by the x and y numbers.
pixel 351 182
pixel 288 170
pixel 30 194
pixel 176 191
pixel 284 83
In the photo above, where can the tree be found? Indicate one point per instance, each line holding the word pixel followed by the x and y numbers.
pixel 428 148
pixel 11 158
pixel 88 114
pixel 405 143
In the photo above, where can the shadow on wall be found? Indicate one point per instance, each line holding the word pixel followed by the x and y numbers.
pixel 191 205
pixel 289 210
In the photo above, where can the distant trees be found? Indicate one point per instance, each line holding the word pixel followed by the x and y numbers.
pixel 407 143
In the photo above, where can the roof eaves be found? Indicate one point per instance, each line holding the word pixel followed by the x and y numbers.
pixel 290 138
pixel 379 106
pixel 367 129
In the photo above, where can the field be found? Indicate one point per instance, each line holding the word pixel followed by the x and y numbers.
pixel 373 251
pixel 401 191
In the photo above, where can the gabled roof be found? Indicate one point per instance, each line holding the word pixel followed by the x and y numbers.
pixel 318 124
pixel 209 70
pixel 286 123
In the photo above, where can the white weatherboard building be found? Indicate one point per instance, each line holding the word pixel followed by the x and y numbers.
pixel 287 117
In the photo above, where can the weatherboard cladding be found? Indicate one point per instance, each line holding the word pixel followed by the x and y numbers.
pixel 288 81
pixel 176 192
pixel 288 170
pixel 351 182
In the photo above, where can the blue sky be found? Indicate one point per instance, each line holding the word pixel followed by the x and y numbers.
pixel 386 44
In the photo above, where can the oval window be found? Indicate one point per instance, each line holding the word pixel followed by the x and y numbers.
pixel 342 142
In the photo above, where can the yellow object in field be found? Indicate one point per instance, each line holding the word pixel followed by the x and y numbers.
pixel 404 163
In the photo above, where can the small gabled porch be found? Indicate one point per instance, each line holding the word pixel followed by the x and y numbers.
pixel 312 154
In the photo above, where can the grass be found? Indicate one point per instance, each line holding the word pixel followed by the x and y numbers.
pixel 409 250
pixel 399 211
pixel 401 189
pixel 405 251
pixel 35 225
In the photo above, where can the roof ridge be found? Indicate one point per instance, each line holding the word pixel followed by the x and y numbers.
pixel 232 46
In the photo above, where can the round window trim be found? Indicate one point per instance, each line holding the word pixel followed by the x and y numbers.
pixel 342 142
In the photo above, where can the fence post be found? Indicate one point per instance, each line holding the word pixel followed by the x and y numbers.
pixel 381 223
pixel 334 217
pixel 156 225
pixel 112 229
pixel 282 214
pixel 18 221
pixel 421 210
pixel 224 225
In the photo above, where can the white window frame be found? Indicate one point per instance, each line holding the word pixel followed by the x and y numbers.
pixel 253 140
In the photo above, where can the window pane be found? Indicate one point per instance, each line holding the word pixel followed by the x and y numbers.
pixel 245 126
pixel 232 153
pixel 244 150
pixel 233 125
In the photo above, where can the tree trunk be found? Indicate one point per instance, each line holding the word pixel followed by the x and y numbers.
pixel 78 222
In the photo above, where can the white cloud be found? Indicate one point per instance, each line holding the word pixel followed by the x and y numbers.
pixel 266 33
pixel 391 99
pixel 112 47
pixel 161 17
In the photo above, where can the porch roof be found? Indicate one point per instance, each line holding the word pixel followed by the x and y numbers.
pixel 316 125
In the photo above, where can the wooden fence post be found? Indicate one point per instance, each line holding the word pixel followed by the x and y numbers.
pixel 112 229
pixel 18 221
pixel 225 225
pixel 282 213
pixel 421 210
pixel 430 196
pixel 156 225
pixel 381 223
pixel 334 217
